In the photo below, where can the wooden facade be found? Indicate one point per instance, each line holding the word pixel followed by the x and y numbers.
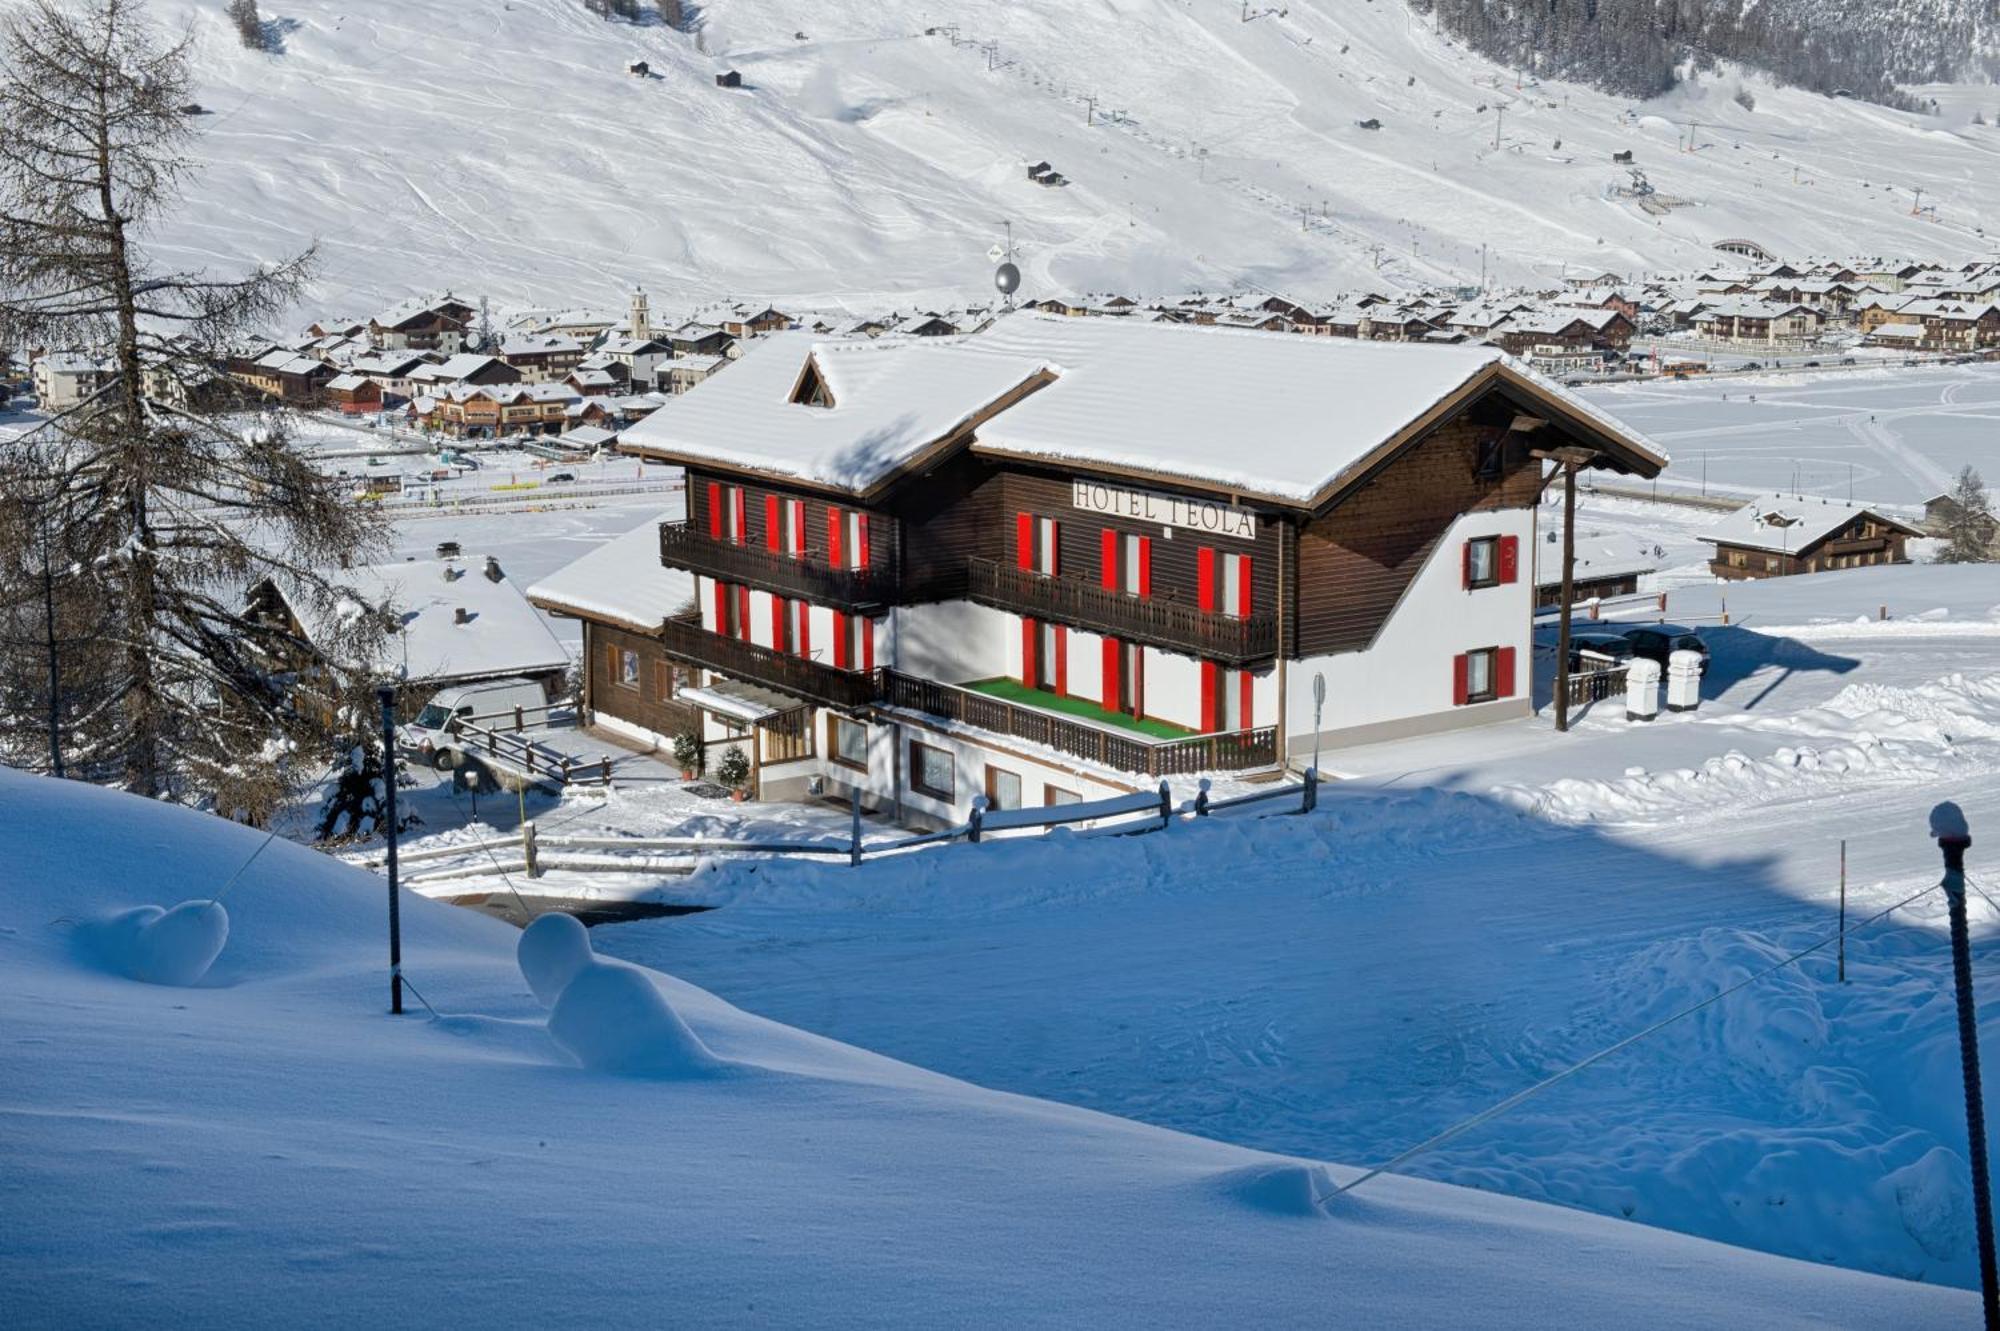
pixel 1864 541
pixel 647 697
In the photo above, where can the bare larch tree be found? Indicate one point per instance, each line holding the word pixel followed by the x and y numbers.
pixel 158 503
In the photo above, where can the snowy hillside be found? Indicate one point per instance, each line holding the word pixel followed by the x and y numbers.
pixel 269 1139
pixel 504 150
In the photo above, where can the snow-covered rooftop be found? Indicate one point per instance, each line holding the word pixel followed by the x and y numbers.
pixel 1269 414
pixel 1784 523
pixel 621 580
pixel 502 636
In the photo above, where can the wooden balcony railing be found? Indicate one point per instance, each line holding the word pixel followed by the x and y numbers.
pixel 801 677
pixel 685 546
pixel 1172 625
pixel 1236 750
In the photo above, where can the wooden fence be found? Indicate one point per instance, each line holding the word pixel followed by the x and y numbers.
pixel 533 854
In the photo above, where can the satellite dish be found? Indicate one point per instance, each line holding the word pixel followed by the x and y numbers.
pixel 1007 278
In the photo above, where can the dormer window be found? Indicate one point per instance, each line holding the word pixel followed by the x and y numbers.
pixel 811 389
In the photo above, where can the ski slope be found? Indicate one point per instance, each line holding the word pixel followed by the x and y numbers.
pixel 269 1145
pixel 503 150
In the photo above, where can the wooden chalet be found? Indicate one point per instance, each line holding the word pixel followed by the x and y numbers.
pixel 1779 537
pixel 1062 558
pixel 423 324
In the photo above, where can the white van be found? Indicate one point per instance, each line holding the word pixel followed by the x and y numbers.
pixel 433 737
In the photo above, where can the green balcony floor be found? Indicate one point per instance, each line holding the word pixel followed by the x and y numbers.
pixel 1012 690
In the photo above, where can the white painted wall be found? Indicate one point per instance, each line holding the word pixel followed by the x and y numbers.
pixel 1408 671
pixel 952 641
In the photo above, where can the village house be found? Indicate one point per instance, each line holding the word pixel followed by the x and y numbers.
pixel 744 321
pixel 451 620
pixel 699 339
pixel 541 358
pixel 486 411
pixel 1956 325
pixel 283 375
pixel 1571 329
pixel 1021 565
pixel 1777 537
pixel 391 371
pixel 354 394
pixel 1757 323
pixel 684 372
pixel 1596 575
pixel 62 379
pixel 468 368
pixel 423 324
pixel 641 357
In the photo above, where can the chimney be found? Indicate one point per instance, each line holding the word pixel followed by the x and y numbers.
pixel 493 573
pixel 461 616
pixel 450 574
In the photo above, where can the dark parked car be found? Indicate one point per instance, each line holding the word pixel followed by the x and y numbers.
pixel 560 477
pixel 1598 650
pixel 1656 641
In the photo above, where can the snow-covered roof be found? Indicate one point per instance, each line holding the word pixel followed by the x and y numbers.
pixel 892 399
pixel 1267 414
pixel 1592 562
pixel 504 635
pixel 1787 524
pixel 347 383
pixel 415 307
pixel 621 580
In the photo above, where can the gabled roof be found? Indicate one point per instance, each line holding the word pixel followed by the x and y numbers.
pixel 1267 416
pixel 1788 525
pixel 503 637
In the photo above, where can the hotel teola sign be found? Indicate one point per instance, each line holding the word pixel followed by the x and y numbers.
pixel 1197 515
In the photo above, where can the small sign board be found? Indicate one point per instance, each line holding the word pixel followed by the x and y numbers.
pixel 1206 516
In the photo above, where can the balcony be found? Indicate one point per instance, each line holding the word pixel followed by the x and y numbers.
pixel 1167 624
pixel 863 590
pixel 686 640
pixel 1121 749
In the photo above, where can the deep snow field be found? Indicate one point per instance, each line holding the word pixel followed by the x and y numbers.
pixel 268 1145
pixel 503 150
pixel 1468 914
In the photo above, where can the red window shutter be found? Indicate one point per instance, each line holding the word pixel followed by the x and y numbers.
pixel 722 608
pixel 861 559
pixel 1024 540
pixel 739 519
pixel 1244 682
pixel 799 528
pixel 1208 697
pixel 1145 567
pixel 1062 660
pixel 1459 689
pixel 1028 635
pixel 743 612
pixel 1107 546
pixel 1204 579
pixel 868 644
pixel 1503 671
pixel 805 625
pixel 1111 674
pixel 1510 558
pixel 715 510
pixel 1465 565
pixel 833 537
pixel 1243 586
pixel 840 632
pixel 771 527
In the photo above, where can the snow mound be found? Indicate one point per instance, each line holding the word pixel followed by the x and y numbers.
pixel 552 950
pixel 1935 1204
pixel 1280 1187
pixel 611 1018
pixel 171 947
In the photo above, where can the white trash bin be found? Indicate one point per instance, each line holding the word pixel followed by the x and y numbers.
pixel 1642 689
pixel 1683 681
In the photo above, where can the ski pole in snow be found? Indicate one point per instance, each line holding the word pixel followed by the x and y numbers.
pixel 387 694
pixel 1953 836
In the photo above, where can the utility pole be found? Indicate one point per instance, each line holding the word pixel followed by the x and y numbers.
pixel 1569 459
pixel 1948 825
pixel 1499 115
pixel 387 695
